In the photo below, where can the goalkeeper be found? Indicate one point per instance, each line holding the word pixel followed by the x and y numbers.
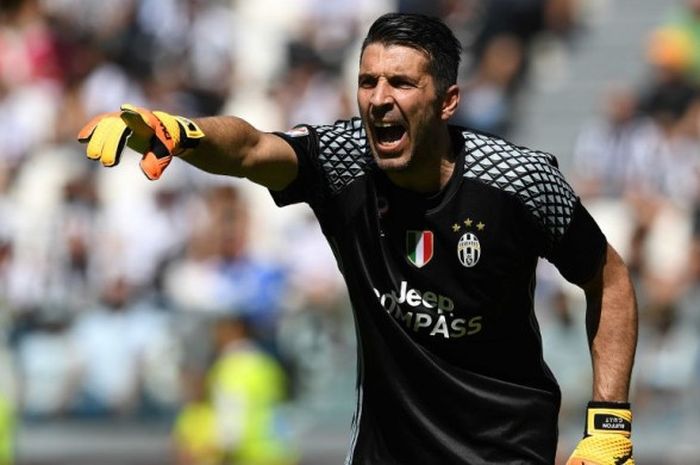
pixel 437 231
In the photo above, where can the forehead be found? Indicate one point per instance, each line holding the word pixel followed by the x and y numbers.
pixel 379 58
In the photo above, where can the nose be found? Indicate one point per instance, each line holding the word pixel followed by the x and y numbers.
pixel 381 100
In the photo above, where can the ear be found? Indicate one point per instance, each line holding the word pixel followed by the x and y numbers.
pixel 450 102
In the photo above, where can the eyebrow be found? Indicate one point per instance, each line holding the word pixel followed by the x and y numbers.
pixel 399 76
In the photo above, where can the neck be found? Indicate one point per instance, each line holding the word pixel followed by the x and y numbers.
pixel 432 166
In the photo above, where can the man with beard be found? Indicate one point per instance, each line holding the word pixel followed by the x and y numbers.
pixel 437 231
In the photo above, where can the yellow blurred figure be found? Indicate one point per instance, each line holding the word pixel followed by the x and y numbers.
pixel 247 388
pixel 232 415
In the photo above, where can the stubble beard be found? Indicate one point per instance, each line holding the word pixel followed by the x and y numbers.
pixel 394 165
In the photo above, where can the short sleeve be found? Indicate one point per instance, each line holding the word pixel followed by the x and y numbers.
pixel 330 157
pixel 306 186
pixel 579 252
pixel 565 233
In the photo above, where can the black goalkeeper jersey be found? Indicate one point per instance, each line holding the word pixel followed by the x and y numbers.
pixel 450 366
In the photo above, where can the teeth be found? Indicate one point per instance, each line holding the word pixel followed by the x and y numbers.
pixel 385 125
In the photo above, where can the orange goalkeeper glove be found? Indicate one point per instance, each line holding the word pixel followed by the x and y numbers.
pixel 157 135
pixel 607 437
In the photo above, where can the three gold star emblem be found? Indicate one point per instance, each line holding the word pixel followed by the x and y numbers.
pixel 468 223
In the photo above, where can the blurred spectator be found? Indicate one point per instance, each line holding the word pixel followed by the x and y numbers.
pixel 524 21
pixel 488 97
pixel 248 388
pixel 502 49
pixel 48 361
pixel 28 49
pixel 609 150
pixel 113 342
pixel 611 163
pixel 142 226
pixel 71 275
pixel 219 273
pixel 29 74
pixel 669 90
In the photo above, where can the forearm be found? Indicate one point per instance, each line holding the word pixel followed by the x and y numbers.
pixel 227 143
pixel 611 322
pixel 233 147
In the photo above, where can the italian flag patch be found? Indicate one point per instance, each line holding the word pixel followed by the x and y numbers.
pixel 419 247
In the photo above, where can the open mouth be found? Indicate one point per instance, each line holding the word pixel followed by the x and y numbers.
pixel 389 135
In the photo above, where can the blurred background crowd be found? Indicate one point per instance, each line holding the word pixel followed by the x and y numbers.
pixel 189 321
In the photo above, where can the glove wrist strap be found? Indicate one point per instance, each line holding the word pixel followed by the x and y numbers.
pixel 190 133
pixel 608 418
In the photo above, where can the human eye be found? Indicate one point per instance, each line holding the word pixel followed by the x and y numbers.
pixel 367 81
pixel 402 82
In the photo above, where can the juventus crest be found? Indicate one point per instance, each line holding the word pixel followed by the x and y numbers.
pixel 468 249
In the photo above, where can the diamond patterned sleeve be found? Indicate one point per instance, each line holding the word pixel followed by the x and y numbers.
pixel 570 238
pixel 306 186
pixel 330 158
pixel 576 245
pixel 344 155
pixel 529 175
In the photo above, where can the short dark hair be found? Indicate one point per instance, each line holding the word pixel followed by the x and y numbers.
pixel 425 33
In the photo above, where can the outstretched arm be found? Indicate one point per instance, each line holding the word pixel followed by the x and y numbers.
pixel 218 144
pixel 611 323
